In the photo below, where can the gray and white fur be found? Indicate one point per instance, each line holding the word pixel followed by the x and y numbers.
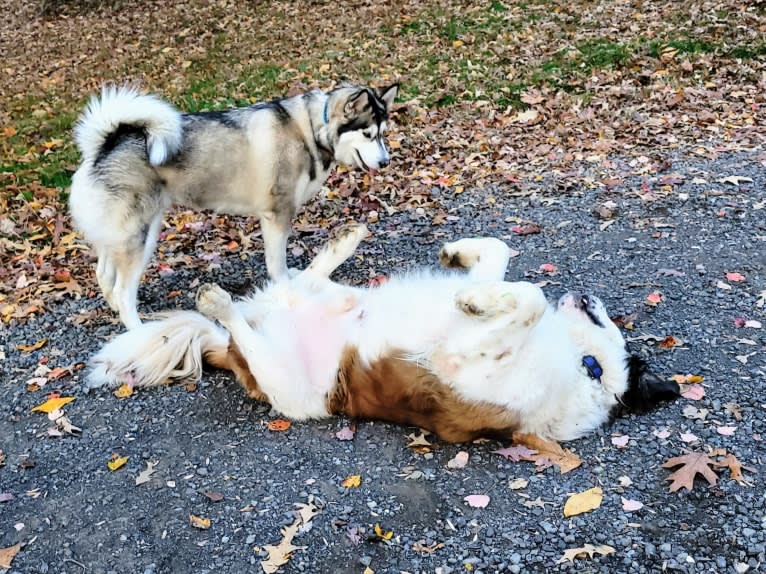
pixel 140 155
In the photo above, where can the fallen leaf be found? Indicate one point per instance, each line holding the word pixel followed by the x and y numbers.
pixel 668 342
pixel 353 481
pixel 123 392
pixel 199 522
pixel 52 404
pixel 280 554
pixel 29 348
pixel 571 554
pixel 537 502
pixel 721 285
pixel 688 437
pixel 735 277
pixel 518 483
pixel 528 229
pixel 654 298
pixel 477 500
pixel 691 464
pixel 346 433
pixel 662 434
pixel 6 497
pixel 693 392
pixel 631 505
pixel 620 441
pixel 726 431
pixel 734 410
pixel 212 495
pixel 385 535
pixel 146 474
pixel 624 481
pixel 753 324
pixel 583 501
pixel 548 268
pixel 63 423
pixel 116 461
pixel 278 425
pixel 548 452
pixel 735 468
pixel 7 555
pixel 416 441
pixel 307 511
pixel 735 179
pixel 460 460
pixel 421 547
pixel 693 413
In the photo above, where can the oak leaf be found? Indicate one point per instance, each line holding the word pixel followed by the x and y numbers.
pixel 692 464
pixel 52 404
pixel 588 549
pixel 548 452
pixel 7 555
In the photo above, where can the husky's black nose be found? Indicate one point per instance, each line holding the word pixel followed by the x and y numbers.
pixel 384 162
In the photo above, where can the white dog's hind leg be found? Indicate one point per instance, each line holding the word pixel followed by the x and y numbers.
pixel 486 258
pixel 282 384
pixel 335 252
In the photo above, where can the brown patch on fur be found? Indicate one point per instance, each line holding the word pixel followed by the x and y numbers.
pixel 400 391
pixel 453 261
pixel 232 360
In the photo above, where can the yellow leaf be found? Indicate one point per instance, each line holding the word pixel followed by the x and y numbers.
pixel 10 131
pixel 368 570
pixel 694 378
pixel 353 481
pixel 457 43
pixel 583 501
pixel 199 522
pixel 29 348
pixel 53 405
pixel 123 392
pixel 382 534
pixel 116 461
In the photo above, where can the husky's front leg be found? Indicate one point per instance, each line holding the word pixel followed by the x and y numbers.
pixel 275 228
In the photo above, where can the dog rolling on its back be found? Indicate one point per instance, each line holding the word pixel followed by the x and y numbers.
pixel 140 155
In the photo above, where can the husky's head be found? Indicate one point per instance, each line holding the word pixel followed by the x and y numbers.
pixel 359 117
pixel 613 380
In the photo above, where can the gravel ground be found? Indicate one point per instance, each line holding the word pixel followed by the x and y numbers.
pixel 74 515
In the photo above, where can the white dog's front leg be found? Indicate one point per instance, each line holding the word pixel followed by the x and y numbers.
pixel 338 250
pixel 519 303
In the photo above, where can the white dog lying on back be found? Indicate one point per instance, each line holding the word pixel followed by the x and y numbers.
pixel 463 355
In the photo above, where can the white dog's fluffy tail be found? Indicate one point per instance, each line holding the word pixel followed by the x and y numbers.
pixel 170 349
pixel 125 105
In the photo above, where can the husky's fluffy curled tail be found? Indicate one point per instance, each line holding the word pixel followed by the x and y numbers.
pixel 124 108
pixel 169 349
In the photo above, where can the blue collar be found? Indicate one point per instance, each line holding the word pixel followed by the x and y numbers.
pixel 326 113
pixel 594 369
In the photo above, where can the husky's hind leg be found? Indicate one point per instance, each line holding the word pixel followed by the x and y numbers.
pixel 129 263
pixel 105 274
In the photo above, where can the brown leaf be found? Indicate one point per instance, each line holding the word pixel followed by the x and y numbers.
pixel 691 464
pixel 7 555
pixel 735 468
pixel 280 554
pixel 548 452
pixel 29 348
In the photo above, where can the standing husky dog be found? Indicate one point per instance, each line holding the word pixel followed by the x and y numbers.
pixel 140 155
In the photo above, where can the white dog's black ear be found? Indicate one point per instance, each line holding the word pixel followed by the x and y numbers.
pixel 645 389
pixel 388 94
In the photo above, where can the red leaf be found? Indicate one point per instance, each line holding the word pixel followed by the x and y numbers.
pixel 735 277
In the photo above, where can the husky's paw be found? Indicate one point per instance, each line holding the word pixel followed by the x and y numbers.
pixel 213 302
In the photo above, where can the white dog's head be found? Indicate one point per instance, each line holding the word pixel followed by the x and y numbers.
pixel 360 117
pixel 613 380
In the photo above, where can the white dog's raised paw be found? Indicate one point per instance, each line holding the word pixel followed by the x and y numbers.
pixel 487 300
pixel 212 301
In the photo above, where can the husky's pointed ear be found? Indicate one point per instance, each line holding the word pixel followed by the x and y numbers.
pixel 356 102
pixel 645 389
pixel 388 94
